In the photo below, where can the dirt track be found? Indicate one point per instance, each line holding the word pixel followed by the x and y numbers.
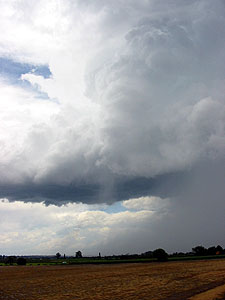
pixel 170 281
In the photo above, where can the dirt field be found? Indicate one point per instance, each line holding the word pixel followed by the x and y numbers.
pixel 170 281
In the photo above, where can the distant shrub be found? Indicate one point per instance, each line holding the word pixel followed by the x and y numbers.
pixel 78 254
pixel 160 254
pixel 199 250
pixel 21 261
pixel 148 254
pixel 9 260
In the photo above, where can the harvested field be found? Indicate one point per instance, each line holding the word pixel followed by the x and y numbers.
pixel 170 280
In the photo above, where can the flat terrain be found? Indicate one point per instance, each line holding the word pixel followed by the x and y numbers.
pixel 169 281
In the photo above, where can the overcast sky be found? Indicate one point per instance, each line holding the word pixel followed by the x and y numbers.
pixel 112 125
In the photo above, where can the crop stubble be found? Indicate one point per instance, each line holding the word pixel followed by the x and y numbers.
pixel 170 280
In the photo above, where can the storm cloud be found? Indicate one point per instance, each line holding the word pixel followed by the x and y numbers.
pixel 134 97
pixel 129 104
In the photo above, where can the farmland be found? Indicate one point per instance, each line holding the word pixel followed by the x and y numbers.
pixel 169 280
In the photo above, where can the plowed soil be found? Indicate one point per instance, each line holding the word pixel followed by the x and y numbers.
pixel 170 281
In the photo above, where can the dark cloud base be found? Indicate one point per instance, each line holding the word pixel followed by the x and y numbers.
pixel 121 189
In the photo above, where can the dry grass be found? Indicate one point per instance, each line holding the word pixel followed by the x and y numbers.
pixel 171 280
pixel 216 293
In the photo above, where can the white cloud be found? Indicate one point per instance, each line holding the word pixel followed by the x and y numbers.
pixel 23 131
pixel 146 203
pixel 137 96
pixel 34 228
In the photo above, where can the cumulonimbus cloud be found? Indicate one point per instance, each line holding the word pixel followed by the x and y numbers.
pixel 129 99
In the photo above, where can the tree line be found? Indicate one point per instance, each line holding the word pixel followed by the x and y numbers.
pixel 159 254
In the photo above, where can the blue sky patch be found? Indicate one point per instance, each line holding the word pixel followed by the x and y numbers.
pixel 115 208
pixel 13 70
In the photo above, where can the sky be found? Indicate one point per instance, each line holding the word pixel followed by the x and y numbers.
pixel 112 126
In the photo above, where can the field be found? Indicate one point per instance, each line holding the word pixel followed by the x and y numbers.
pixel 170 281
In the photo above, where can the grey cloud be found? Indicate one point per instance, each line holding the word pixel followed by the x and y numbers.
pixel 195 215
pixel 154 93
pixel 108 191
pixel 155 108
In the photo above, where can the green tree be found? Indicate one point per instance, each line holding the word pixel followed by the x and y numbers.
pixel 211 250
pixel 78 254
pixel 199 250
pixel 160 254
pixel 21 261
pixel 9 260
